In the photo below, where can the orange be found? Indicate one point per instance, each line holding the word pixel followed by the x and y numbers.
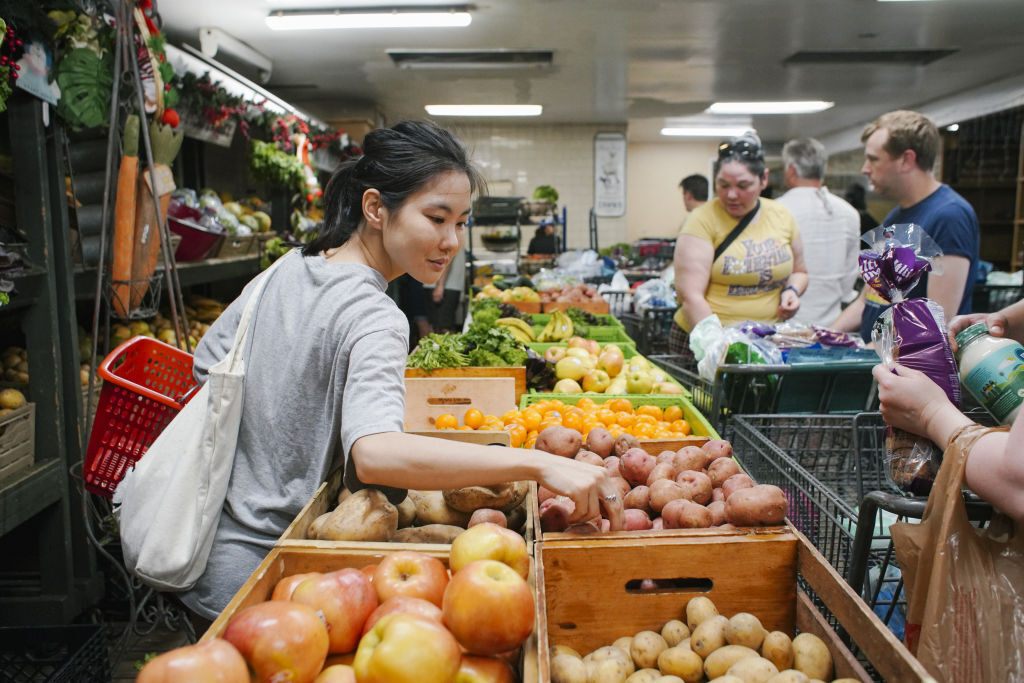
pixel 465 428
pixel 516 434
pixel 585 403
pixel 530 443
pixel 673 413
pixel 493 426
pixel 572 421
pixel 681 427
pixel 653 411
pixel 624 419
pixel 473 418
pixel 510 416
pixel 646 419
pixel 531 418
pixel 643 430
pixel 606 416
pixel 446 421
pixel 620 405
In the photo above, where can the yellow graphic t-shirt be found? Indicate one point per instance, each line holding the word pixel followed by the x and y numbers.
pixel 746 281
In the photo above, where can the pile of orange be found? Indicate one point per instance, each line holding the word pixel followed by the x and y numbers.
pixel 618 416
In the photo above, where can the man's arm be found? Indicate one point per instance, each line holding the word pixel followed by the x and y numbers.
pixel 849 320
pixel 947 289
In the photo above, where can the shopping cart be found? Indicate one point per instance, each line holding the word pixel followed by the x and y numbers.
pixel 145 384
pixel 840 385
pixel 989 298
pixel 650 328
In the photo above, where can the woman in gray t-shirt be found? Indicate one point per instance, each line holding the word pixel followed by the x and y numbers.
pixel 325 367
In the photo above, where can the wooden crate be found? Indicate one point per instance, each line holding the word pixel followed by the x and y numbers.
pixel 656 446
pixel 238 245
pixel 596 307
pixel 326 498
pixel 517 373
pixel 428 397
pixel 593 596
pixel 17 441
pixel 282 562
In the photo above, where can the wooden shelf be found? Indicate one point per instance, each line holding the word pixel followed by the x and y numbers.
pixel 30 493
pixel 190 273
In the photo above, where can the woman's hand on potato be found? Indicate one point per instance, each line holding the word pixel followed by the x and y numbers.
pixel 590 488
pixel 911 401
pixel 997 324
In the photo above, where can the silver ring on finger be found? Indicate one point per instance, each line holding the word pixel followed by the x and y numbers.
pixel 611 498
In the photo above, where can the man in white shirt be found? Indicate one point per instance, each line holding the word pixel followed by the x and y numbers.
pixel 830 229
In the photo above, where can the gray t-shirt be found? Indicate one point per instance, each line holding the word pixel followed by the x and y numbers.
pixel 325 367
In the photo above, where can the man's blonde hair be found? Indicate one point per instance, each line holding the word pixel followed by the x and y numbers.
pixel 907 130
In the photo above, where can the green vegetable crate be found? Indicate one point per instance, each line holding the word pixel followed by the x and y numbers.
pixel 628 351
pixel 605 320
pixel 598 333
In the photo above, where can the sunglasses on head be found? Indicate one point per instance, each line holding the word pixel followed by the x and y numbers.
pixel 743 149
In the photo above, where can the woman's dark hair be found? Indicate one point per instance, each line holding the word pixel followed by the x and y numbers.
pixel 396 161
pixel 745 149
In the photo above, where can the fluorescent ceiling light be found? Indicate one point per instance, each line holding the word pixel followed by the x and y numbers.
pixel 704 131
pixel 906 0
pixel 385 17
pixel 802 107
pixel 484 109
pixel 953 127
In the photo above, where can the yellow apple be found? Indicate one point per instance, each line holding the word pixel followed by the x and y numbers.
pixel 567 386
pixel 577 352
pixel 490 542
pixel 596 380
pixel 403 648
pixel 611 363
pixel 570 368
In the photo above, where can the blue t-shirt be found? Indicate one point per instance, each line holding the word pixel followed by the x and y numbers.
pixel 951 222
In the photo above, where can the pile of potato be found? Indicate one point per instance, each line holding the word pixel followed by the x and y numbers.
pixel 423 517
pixel 575 294
pixel 15 365
pixel 692 488
pixel 708 647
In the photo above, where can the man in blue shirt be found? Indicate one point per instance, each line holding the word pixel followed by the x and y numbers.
pixel 899 154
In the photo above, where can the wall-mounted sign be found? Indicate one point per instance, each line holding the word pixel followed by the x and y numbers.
pixel 610 175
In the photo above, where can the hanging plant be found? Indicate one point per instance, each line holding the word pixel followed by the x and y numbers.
pixel 270 164
pixel 85 81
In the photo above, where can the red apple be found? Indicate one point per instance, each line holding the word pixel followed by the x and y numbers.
pixel 346 598
pixel 413 574
pixel 286 586
pixel 215 661
pixel 487 515
pixel 280 641
pixel 490 542
pixel 402 604
pixel 337 674
pixel 404 648
pixel 476 669
pixel 369 570
pixel 489 608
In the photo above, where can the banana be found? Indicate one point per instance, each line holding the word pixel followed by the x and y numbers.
pixel 519 335
pixel 548 333
pixel 516 323
pixel 563 327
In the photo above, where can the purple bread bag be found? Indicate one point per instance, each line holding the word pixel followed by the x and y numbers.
pixel 911 332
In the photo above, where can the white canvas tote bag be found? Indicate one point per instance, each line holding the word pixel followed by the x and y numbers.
pixel 170 503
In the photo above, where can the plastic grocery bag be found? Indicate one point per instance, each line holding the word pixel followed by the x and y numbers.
pixel 965 586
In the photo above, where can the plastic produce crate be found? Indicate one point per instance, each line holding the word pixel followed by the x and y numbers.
pixel 834 386
pixel 699 425
pixel 54 654
pixel 605 320
pixel 601 333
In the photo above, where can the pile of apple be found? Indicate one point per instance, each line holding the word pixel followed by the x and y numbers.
pixel 708 647
pixel 585 365
pixel 405 619
pixel 696 487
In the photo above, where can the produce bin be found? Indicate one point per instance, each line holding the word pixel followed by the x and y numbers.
pixel 601 333
pixel 517 373
pixel 629 350
pixel 326 497
pixel 699 425
pixel 17 441
pixel 593 595
pixel 282 562
pixel 605 320
pixel 426 398
pixel 54 654
pixel 236 246
pixel 834 386
pixel 596 307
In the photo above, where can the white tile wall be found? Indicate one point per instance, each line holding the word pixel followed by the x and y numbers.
pixel 518 158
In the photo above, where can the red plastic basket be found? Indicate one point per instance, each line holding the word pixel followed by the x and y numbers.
pixel 145 384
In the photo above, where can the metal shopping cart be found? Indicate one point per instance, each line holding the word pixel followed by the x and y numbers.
pixel 650 328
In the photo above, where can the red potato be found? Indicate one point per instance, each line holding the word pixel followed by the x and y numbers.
pixel 735 483
pixel 559 441
pixel 657 524
pixel 685 514
pixel 636 465
pixel 717 495
pixel 544 494
pixel 696 486
pixel 611 463
pixel 555 513
pixel 721 469
pixel 624 442
pixel 638 499
pixel 624 486
pixel 690 458
pixel 666 457
pixel 662 471
pixel 717 448
pixel 600 441
pixel 590 458
pixel 717 510
pixel 485 515
pixel 636 520
pixel 663 492
pixel 761 505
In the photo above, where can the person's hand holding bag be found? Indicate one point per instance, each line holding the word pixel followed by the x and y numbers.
pixel 911 401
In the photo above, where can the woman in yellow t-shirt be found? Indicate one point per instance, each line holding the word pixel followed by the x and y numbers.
pixel 761 274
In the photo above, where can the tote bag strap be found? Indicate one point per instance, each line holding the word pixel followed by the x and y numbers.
pixel 242 333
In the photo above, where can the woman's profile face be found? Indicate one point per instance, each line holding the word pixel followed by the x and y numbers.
pixel 737 188
pixel 426 232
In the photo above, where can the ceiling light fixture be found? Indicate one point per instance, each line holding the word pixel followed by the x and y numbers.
pixel 794 107
pixel 906 0
pixel 704 131
pixel 484 109
pixel 953 127
pixel 370 17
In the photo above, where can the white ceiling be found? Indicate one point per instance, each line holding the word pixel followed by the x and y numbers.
pixel 639 61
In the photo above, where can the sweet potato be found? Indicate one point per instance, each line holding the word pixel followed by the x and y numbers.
pixel 636 465
pixel 663 492
pixel 314 527
pixel 636 520
pixel 690 458
pixel 624 442
pixel 484 515
pixel 762 505
pixel 503 497
pixel 735 483
pixel 638 499
pixel 721 469
pixel 717 448
pixel 406 513
pixel 696 486
pixel 662 471
pixel 600 441
pixel 431 509
pixel 559 441
pixel 685 514
pixel 431 533
pixel 364 516
pixel 590 458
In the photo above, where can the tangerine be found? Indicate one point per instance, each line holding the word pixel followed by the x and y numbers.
pixel 446 421
pixel 620 405
pixel 473 418
pixel 652 411
pixel 672 413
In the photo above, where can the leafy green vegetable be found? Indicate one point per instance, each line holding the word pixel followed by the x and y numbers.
pixel 492 346
pixel 437 351
pixel 545 193
pixel 270 164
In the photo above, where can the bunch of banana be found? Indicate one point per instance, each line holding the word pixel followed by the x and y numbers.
pixel 517 328
pixel 559 328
